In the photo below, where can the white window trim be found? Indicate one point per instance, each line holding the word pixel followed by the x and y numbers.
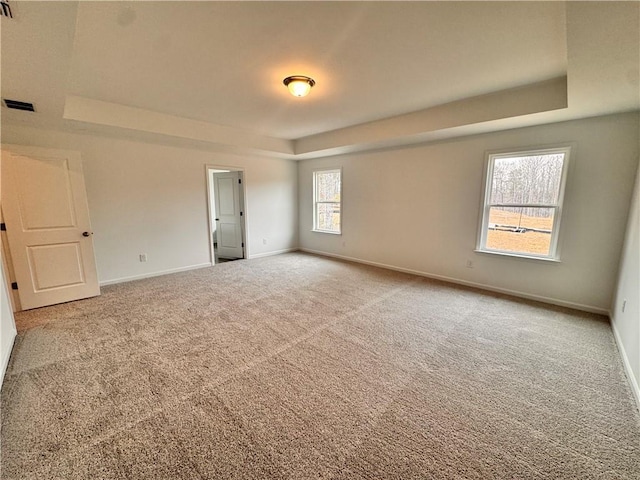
pixel 554 247
pixel 315 210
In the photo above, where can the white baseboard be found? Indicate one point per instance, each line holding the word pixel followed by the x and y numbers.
pixel 184 269
pixel 633 382
pixel 154 274
pixel 6 357
pixel 481 286
pixel 275 252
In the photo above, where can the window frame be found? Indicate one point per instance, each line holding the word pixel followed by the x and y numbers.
pixel 554 245
pixel 316 202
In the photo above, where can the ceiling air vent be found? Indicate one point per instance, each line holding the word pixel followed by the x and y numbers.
pixel 16 105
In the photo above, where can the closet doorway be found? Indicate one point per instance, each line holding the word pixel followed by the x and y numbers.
pixel 227 232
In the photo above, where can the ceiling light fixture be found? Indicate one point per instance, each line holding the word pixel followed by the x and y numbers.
pixel 299 85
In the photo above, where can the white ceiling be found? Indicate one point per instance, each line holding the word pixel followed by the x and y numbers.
pixel 211 72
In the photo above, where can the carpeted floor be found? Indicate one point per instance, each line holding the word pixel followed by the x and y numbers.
pixel 301 367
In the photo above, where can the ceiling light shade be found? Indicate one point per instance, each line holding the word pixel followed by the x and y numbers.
pixel 299 85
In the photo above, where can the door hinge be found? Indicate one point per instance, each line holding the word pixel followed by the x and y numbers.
pixel 14 286
pixel 241 213
pixel 239 180
pixel 3 227
pixel 243 245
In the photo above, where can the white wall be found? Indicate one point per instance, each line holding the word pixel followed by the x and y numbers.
pixel 626 325
pixel 417 208
pixel 150 198
pixel 7 325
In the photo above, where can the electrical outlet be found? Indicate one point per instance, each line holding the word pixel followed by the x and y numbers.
pixel 264 241
pixel 624 304
pixel 143 257
pixel 469 264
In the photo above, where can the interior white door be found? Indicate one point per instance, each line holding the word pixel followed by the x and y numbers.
pixel 228 215
pixel 45 209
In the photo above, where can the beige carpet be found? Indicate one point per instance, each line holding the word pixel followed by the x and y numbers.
pixel 300 367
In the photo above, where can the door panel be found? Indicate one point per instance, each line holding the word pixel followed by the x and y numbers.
pixel 54 266
pixel 45 178
pixel 228 218
pixel 228 235
pixel 45 208
pixel 226 195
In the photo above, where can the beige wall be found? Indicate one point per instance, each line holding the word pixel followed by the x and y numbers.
pixel 149 198
pixel 626 324
pixel 417 208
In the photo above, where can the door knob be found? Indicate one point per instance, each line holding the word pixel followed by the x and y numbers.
pixel 86 234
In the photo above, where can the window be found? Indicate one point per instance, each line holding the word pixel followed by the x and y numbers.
pixel 327 189
pixel 523 203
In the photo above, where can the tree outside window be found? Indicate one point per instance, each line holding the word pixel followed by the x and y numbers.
pixel 327 203
pixel 523 203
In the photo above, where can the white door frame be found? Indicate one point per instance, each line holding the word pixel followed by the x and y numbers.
pixel 7 266
pixel 245 211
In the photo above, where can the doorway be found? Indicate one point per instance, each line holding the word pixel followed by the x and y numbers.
pixel 226 197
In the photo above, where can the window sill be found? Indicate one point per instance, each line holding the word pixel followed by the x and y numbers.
pixel 518 255
pixel 326 231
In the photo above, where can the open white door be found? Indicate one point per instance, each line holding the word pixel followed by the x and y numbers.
pixel 45 209
pixel 228 215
